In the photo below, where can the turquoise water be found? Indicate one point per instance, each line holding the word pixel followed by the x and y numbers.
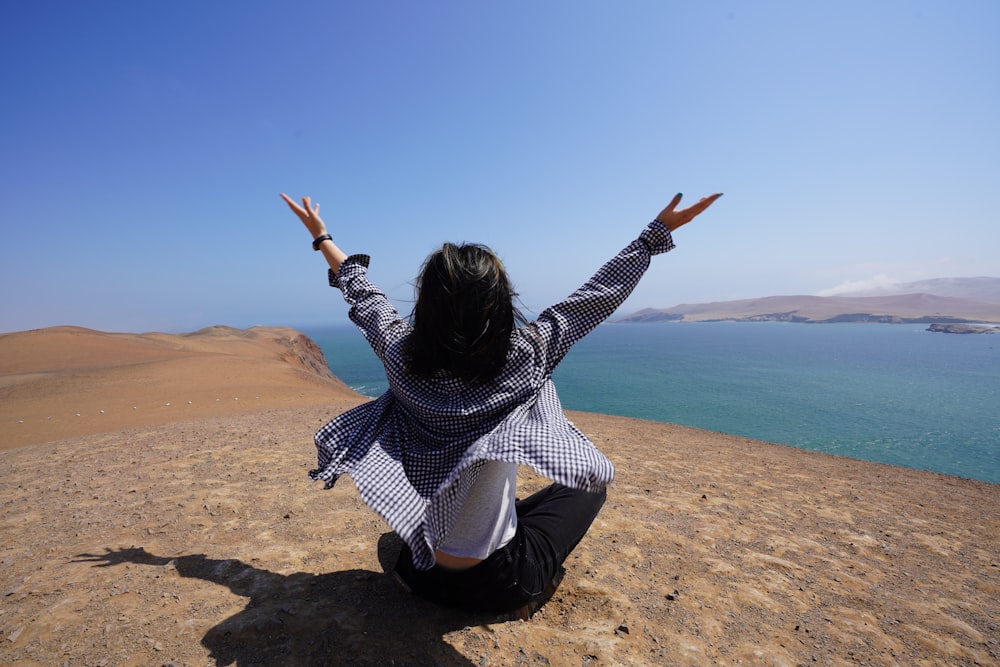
pixel 890 393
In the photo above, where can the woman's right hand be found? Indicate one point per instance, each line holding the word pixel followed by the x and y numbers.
pixel 672 218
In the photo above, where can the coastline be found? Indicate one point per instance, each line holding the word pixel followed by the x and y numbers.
pixel 887 393
pixel 207 542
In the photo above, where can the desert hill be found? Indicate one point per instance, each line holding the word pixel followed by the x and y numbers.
pixel 980 288
pixel 190 535
pixel 64 381
pixel 960 300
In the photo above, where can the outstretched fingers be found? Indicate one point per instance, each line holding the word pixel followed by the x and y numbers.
pixel 674 202
pixel 307 205
pixel 702 204
pixel 672 218
pixel 307 211
pixel 298 210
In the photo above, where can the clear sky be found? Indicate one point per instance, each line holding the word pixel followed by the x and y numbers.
pixel 143 147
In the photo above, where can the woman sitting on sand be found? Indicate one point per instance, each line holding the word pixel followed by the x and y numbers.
pixel 470 397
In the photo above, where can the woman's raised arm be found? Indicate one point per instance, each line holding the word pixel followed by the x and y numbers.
pixel 560 326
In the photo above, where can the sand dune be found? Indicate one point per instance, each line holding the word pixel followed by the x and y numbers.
pixel 65 381
pixel 193 537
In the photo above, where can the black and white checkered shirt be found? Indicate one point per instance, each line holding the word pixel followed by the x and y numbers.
pixel 406 451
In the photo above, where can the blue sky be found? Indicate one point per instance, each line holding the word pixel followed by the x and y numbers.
pixel 143 147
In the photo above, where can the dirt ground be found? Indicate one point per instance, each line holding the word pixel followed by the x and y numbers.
pixel 197 539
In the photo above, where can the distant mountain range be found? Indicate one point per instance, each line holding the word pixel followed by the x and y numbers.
pixel 940 300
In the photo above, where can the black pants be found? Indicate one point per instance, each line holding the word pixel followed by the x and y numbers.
pixel 550 524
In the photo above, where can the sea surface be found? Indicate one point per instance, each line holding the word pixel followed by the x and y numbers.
pixel 882 392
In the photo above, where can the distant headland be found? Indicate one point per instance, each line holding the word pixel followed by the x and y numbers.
pixel 962 329
pixel 950 301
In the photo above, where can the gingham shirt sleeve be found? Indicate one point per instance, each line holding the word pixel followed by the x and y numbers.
pixel 560 326
pixel 371 310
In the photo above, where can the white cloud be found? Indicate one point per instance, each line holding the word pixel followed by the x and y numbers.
pixel 877 284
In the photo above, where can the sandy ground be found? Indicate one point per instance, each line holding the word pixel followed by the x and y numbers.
pixel 63 382
pixel 189 534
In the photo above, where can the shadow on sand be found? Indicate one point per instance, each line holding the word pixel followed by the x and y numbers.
pixel 355 617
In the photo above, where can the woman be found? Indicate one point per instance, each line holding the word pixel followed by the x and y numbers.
pixel 470 397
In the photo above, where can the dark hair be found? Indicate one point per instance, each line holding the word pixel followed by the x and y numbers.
pixel 464 314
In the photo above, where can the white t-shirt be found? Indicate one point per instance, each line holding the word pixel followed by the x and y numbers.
pixel 487 520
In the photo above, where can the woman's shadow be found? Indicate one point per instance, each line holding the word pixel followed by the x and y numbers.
pixel 355 617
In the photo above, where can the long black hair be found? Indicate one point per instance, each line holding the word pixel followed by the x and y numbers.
pixel 464 314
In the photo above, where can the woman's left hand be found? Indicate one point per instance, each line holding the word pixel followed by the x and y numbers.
pixel 308 213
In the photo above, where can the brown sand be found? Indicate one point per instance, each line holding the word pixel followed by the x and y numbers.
pixel 67 381
pixel 189 534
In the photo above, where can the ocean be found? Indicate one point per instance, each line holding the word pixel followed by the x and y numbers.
pixel 881 392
